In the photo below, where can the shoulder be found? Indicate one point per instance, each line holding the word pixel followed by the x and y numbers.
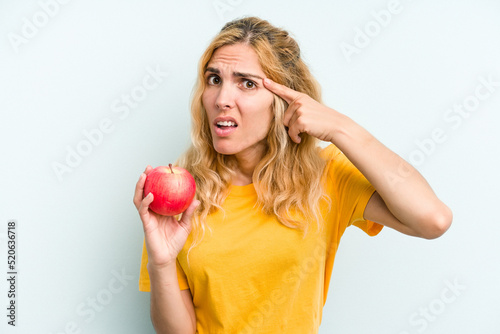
pixel 330 152
pixel 334 158
pixel 338 167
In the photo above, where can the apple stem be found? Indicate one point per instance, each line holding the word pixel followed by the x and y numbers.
pixel 170 165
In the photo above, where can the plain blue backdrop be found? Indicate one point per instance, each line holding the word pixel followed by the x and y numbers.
pixel 93 91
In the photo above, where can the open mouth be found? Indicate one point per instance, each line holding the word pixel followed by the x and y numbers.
pixel 226 124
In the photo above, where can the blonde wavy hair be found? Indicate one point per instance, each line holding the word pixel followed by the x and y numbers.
pixel 288 177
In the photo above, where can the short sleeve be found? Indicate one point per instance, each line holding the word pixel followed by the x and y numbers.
pixel 181 277
pixel 369 227
pixel 351 191
pixel 144 283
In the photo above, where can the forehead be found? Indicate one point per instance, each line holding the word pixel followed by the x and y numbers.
pixel 239 56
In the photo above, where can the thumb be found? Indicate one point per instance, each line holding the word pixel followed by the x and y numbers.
pixel 144 205
pixel 187 216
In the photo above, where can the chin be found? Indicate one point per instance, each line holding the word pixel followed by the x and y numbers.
pixel 222 149
pixel 227 147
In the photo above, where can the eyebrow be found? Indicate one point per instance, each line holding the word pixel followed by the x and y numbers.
pixel 236 74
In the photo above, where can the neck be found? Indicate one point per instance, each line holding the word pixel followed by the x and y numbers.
pixel 246 163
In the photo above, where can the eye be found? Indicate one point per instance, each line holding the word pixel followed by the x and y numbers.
pixel 213 80
pixel 249 84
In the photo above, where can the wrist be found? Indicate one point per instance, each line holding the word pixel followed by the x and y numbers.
pixel 161 269
pixel 340 127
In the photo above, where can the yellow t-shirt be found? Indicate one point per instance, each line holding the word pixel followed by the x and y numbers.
pixel 252 274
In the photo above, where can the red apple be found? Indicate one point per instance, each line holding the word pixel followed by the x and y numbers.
pixel 173 189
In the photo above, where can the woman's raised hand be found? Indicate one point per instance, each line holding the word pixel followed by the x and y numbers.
pixel 304 114
pixel 165 236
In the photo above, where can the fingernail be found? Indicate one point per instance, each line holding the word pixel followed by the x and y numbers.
pixel 267 81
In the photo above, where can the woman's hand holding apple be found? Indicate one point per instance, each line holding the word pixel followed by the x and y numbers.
pixel 165 235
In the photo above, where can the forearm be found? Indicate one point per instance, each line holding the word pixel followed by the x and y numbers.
pixel 404 190
pixel 169 314
pixel 404 197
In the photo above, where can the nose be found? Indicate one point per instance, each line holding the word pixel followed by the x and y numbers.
pixel 225 98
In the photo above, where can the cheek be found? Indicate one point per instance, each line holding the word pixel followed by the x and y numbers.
pixel 268 106
pixel 268 99
pixel 262 115
pixel 262 103
pixel 204 99
pixel 208 98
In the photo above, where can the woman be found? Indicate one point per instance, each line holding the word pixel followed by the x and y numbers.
pixel 271 205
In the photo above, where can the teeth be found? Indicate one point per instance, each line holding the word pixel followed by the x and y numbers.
pixel 226 123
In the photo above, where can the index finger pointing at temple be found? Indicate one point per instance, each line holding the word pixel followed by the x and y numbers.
pixel 284 92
